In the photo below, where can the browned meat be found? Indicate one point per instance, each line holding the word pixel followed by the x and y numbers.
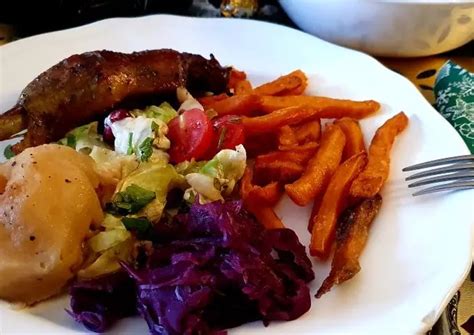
pixel 83 87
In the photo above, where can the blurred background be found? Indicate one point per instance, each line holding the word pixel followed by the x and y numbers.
pixel 52 15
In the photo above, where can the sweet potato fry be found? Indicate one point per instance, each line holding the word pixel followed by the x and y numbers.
pixel 246 183
pixel 354 138
pixel 297 90
pixel 371 180
pixel 320 168
pixel 259 144
pixel 267 217
pixel 325 107
pixel 287 137
pixel 235 76
pixel 299 155
pixel 243 87
pixel 333 203
pixel 270 196
pixel 311 146
pixel 284 166
pixel 308 132
pixel 283 171
pixel 295 80
pixel 314 211
pixel 351 237
pixel 267 195
pixel 236 105
pixel 274 121
pixel 210 99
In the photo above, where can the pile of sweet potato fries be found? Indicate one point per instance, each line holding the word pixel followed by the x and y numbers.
pixel 329 168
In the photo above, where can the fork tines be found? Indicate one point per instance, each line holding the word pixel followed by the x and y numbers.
pixel 453 173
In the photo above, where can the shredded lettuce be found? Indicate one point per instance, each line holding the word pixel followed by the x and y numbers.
pixel 164 112
pixel 113 165
pixel 188 167
pixel 158 178
pixel 84 138
pixel 107 248
pixel 218 176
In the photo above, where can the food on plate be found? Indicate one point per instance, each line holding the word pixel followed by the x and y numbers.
pixel 283 117
pixel 371 180
pixel 260 200
pixel 351 237
pixel 235 76
pixel 308 132
pixel 287 137
pixel 243 87
pixel 245 104
pixel 332 204
pixel 323 107
pixel 320 168
pixel 41 238
pixel 293 83
pixel 167 202
pixel 219 269
pixel 284 165
pixel 290 138
pixel 11 123
pixel 83 87
pixel 354 137
pixel 191 134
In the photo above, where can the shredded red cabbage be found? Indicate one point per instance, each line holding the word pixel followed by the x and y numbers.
pixel 98 302
pixel 222 270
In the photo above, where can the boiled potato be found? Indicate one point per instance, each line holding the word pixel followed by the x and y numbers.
pixel 48 203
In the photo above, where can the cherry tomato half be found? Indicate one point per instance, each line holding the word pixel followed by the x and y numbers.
pixel 190 135
pixel 228 133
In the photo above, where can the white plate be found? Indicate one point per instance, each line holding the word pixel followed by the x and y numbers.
pixel 419 250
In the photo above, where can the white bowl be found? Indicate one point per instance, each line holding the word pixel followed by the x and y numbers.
pixel 400 28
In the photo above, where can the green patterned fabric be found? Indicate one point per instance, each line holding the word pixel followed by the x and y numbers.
pixel 454 92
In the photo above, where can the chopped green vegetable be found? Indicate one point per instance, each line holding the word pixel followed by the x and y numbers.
pixel 8 152
pixel 130 144
pixel 71 141
pixel 131 200
pixel 140 225
pixel 145 149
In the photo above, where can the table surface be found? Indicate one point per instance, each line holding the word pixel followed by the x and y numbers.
pixel 422 72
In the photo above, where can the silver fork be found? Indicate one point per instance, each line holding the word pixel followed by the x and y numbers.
pixel 448 174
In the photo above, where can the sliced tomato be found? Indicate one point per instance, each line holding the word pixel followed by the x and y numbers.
pixel 228 133
pixel 190 135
